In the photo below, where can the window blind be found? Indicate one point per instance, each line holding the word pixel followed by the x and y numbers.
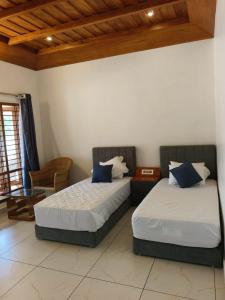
pixel 10 158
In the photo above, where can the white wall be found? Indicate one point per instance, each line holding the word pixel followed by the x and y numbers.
pixel 146 99
pixel 220 95
pixel 15 79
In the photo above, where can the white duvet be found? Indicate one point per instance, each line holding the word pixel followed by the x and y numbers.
pixel 187 217
pixel 84 206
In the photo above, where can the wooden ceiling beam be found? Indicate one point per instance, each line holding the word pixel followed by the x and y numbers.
pixel 18 56
pixel 202 13
pixel 127 43
pixel 95 19
pixel 25 7
pixel 115 35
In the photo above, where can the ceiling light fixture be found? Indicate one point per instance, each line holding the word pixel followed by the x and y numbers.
pixel 49 38
pixel 150 13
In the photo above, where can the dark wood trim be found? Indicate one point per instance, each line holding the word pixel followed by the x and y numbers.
pixel 14 111
pixel 8 103
pixel 5 151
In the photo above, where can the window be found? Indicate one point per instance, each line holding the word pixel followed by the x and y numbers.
pixel 10 159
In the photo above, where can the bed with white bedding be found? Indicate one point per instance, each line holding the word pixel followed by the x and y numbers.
pixel 182 224
pixel 186 217
pixel 84 212
pixel 84 206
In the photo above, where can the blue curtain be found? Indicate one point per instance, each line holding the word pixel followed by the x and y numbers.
pixel 29 153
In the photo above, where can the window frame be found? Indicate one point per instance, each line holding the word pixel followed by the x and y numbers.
pixel 7 173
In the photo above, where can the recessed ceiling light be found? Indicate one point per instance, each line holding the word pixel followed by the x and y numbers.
pixel 49 38
pixel 150 13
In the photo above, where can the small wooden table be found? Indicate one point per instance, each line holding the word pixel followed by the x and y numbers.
pixel 143 182
pixel 20 203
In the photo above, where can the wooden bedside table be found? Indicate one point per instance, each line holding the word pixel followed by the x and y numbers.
pixel 142 183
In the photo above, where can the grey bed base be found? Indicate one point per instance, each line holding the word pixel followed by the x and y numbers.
pixel 203 256
pixel 86 238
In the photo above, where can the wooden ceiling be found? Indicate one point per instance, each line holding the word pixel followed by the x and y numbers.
pixel 90 29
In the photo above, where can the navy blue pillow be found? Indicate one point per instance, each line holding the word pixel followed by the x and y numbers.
pixel 186 175
pixel 102 173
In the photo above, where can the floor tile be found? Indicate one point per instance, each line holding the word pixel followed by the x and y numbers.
pixel 92 289
pixel 10 273
pixel 185 280
pixel 118 263
pixel 5 221
pixel 219 278
pixel 14 233
pixel 44 284
pixel 31 250
pixel 220 294
pixel 72 259
pixel 128 215
pixel 149 295
pixel 77 259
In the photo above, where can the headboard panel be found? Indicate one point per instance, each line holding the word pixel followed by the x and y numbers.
pixel 106 153
pixel 196 153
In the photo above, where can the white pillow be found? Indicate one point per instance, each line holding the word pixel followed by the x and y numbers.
pixel 124 168
pixel 180 163
pixel 207 172
pixel 120 158
pixel 119 168
pixel 124 165
pixel 200 168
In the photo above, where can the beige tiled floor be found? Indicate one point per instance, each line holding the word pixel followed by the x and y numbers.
pixel 118 264
pixel 180 279
pixel 219 284
pixel 32 269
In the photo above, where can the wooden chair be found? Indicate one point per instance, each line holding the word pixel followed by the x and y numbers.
pixel 53 177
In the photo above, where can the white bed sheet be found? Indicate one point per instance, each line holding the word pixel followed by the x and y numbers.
pixel 187 217
pixel 84 206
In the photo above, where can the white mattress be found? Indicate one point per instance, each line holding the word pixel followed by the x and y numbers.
pixel 84 206
pixel 187 217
